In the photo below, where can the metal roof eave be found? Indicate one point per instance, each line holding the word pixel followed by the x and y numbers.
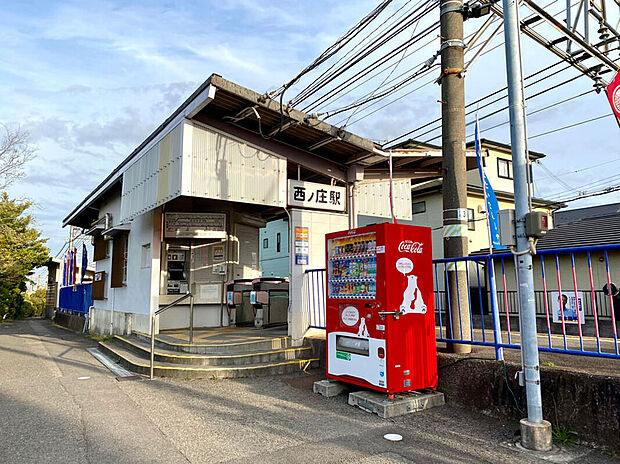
pixel 189 108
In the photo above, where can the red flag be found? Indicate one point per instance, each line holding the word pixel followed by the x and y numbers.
pixel 613 94
pixel 74 271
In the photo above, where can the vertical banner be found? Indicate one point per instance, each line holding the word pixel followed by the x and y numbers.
pixel 489 195
pixel 84 262
pixel 302 246
pixel 613 95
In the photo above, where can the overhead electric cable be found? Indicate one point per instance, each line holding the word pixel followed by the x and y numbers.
pixel 573 125
pixel 312 84
pixel 361 56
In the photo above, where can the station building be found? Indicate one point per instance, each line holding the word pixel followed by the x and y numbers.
pixel 183 211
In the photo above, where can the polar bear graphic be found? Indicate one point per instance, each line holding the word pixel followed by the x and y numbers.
pixel 412 295
pixel 363 331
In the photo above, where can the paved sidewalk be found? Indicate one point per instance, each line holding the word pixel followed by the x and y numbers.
pixel 49 414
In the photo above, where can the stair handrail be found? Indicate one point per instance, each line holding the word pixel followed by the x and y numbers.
pixel 165 308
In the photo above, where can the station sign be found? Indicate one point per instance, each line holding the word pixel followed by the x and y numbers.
pixel 318 196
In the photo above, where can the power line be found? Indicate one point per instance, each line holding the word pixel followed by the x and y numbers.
pixel 530 113
pixel 324 73
pixel 608 190
pixel 374 65
pixel 568 173
pixel 319 83
pixel 429 82
pixel 572 125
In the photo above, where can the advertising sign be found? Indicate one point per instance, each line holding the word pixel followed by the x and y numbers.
pixel 569 304
pixel 195 225
pixel 613 95
pixel 302 245
pixel 312 195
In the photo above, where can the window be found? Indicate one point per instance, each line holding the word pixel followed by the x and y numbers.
pixel 471 221
pixel 265 243
pixel 418 207
pixel 504 168
pixel 145 262
pixel 119 260
pixel 278 242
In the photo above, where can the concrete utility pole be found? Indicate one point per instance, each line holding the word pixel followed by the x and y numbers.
pixel 535 432
pixel 454 170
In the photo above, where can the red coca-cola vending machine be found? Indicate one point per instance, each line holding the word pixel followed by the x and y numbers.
pixel 380 310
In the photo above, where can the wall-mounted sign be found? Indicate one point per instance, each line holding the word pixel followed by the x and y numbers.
pixel 302 245
pixel 195 225
pixel 312 195
pixel 218 253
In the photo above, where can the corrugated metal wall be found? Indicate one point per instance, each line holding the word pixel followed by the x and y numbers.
pixel 225 168
pixel 154 178
pixel 373 199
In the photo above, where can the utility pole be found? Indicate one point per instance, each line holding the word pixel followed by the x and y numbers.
pixel 535 432
pixel 454 172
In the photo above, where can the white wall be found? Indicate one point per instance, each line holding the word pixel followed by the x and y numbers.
pixel 132 302
pixel 318 223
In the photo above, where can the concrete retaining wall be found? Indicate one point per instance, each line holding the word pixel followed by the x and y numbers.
pixel 586 403
pixel 73 322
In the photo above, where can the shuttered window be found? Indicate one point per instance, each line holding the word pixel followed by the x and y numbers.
pixel 101 248
pixel 119 260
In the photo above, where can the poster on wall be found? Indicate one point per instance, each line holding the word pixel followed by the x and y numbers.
pixel 195 225
pixel 302 245
pixel 218 253
pixel 569 304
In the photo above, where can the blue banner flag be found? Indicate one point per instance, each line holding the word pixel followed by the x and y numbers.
pixel 489 196
pixel 84 262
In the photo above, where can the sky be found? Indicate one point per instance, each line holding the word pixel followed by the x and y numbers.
pixel 90 80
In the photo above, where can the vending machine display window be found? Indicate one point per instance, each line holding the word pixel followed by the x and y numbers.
pixel 353 267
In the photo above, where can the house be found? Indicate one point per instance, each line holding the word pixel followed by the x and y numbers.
pixel 584 247
pixel 427 200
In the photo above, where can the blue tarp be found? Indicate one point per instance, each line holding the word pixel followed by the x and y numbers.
pixel 77 298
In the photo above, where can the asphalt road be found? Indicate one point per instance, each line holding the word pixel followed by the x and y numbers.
pixel 59 405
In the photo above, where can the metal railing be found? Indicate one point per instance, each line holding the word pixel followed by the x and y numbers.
pixel 165 308
pixel 493 307
pixel 315 298
pixel 577 318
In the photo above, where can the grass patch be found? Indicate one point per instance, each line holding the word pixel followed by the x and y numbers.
pixel 548 364
pixel 564 436
pixel 102 338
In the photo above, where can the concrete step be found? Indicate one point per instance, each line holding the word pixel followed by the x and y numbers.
pixel 143 350
pixel 257 345
pixel 140 365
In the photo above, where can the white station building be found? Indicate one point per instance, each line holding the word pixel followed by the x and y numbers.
pixel 182 212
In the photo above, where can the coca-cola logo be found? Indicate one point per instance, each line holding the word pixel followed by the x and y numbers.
pixel 410 247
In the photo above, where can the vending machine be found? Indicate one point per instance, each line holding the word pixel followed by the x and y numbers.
pixel 380 311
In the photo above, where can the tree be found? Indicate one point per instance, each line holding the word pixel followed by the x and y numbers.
pixel 15 152
pixel 21 250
